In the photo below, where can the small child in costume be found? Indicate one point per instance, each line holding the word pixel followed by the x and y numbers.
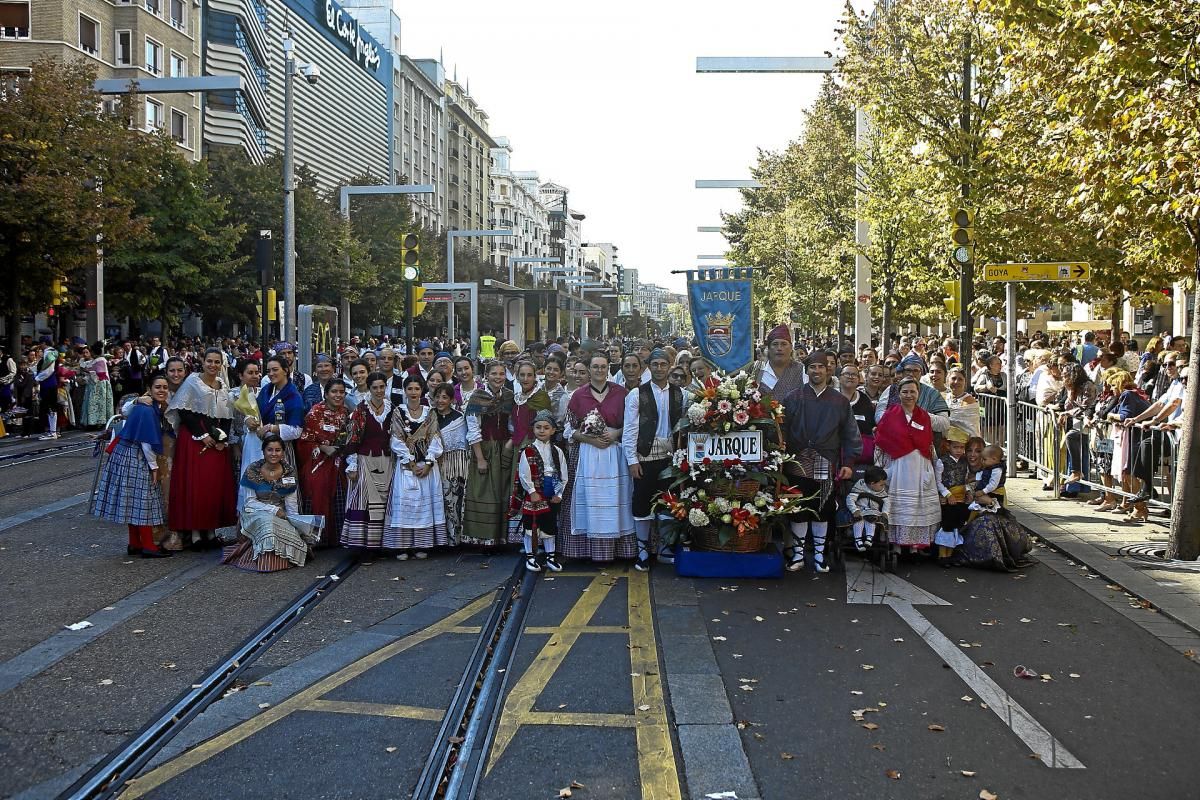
pixel 953 473
pixel 989 481
pixel 869 504
pixel 537 492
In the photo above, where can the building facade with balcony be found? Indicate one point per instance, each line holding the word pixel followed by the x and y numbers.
pixel 122 40
pixel 516 204
pixel 419 149
pixel 602 260
pixel 468 163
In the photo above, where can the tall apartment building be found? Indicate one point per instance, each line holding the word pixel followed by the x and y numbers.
pixel 566 233
pixel 342 122
pixel 122 39
pixel 419 151
pixel 602 261
pixel 468 157
pixel 516 204
pixel 629 281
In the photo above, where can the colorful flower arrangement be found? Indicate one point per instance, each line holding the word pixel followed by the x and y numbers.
pixel 720 493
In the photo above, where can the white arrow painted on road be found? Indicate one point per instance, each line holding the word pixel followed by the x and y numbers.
pixel 865 585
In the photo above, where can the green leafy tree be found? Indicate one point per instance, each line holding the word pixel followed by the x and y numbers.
pixel 68 174
pixel 190 245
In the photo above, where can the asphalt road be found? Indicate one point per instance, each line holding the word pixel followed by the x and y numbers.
pixel 347 705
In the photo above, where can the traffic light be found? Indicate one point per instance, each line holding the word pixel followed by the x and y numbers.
pixel 60 293
pixel 410 257
pixel 951 300
pixel 962 234
pixel 272 304
pixel 418 303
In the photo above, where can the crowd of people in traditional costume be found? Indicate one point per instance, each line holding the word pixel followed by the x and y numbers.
pixel 557 448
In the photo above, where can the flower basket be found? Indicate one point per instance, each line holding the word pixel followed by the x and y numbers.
pixel 709 538
pixel 727 499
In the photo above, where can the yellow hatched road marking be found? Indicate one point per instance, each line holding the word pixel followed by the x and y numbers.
pixel 656 756
pixel 297 702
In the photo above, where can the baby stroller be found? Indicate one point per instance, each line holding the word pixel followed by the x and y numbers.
pixel 878 553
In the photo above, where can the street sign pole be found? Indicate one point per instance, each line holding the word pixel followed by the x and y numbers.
pixel 1010 423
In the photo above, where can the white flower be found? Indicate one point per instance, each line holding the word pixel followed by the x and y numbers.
pixel 722 504
pixel 687 493
pixel 678 458
pixel 724 406
pixel 727 519
pixel 696 413
pixel 741 417
pixel 697 518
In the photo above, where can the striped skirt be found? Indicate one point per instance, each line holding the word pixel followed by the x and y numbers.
pixel 601 507
pixel 127 492
pixel 366 506
pixel 416 517
pixel 454 465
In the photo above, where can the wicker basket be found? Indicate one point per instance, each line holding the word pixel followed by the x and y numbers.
pixel 707 538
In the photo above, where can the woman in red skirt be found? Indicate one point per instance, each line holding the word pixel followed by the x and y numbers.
pixel 203 494
pixel 320 461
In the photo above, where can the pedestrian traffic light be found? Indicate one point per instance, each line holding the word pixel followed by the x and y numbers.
pixel 410 256
pixel 418 303
pixel 951 300
pixel 962 234
pixel 272 304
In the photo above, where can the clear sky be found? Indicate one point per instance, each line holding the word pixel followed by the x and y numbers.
pixel 603 98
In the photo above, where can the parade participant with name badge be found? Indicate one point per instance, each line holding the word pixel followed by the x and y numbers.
pixel 489 482
pixel 368 467
pixel 651 412
pixel 821 434
pixel 779 375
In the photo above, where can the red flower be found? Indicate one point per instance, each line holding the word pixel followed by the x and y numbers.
pixel 706 461
pixel 684 466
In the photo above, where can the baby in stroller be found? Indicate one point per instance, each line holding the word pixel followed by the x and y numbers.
pixel 868 505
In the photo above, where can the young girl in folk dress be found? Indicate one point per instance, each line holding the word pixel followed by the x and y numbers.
pixel 454 462
pixel 416 509
pixel 319 453
pixel 537 492
pixel 490 478
pixel 369 467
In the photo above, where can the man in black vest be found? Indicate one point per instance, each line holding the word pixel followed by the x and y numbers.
pixel 651 412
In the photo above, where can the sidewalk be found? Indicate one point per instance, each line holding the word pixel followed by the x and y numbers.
pixel 1126 555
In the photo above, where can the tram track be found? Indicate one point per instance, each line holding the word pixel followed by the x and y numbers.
pixel 108 777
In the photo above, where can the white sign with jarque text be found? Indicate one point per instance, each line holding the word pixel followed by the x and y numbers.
pixel 746 446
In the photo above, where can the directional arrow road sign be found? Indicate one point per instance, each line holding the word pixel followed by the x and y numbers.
pixel 866 585
pixel 1050 271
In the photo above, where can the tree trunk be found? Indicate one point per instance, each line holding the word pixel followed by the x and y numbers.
pixel 12 327
pixel 885 323
pixel 1185 527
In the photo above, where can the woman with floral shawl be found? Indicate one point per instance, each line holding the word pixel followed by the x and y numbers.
pixel 368 467
pixel 904 447
pixel 319 457
pixel 416 517
pixel 489 481
pixel 273 535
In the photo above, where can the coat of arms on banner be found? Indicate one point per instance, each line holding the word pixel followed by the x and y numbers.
pixel 718 333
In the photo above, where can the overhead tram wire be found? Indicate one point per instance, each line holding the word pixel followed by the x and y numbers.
pixel 108 778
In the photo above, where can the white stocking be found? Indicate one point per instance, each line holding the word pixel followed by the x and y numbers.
pixel 799 533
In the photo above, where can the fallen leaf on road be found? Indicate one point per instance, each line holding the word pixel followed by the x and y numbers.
pixel 871 726
pixel 855 692
pixel 718 638
pixel 78 626
pixel 786 756
pixel 758 618
pixel 894 774
pixel 966 773
pixel 562 705
pixel 984 794
pixel 1189 653
pixel 390 749
pixel 1074 675
pixel 1026 619
pixel 966 698
pixel 868 666
pixel 878 746
pixel 737 655
pixel 897 640
pixel 264 705
pixel 745 687
pixel 937 728
pixel 564 792
pixel 106 682
pixel 759 736
pixel 455 740
pixel 635 674
pixel 577 785
pixel 961 580
pixel 643 707
pixel 811 605
pixel 140 630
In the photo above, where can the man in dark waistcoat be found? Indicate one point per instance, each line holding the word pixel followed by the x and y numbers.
pixel 651 413
pixel 780 374
pixel 822 435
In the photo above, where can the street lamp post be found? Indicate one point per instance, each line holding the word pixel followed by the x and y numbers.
pixel 311 73
pixel 450 237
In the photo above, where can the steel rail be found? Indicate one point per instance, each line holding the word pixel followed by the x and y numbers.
pixel 109 776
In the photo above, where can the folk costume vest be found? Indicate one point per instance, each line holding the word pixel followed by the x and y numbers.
pixel 648 414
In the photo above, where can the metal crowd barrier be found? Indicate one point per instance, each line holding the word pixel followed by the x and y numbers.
pixel 1042 445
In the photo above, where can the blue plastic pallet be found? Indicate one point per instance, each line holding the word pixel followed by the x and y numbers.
pixel 709 564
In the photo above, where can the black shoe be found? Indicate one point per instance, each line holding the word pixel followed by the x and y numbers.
pixel 642 564
pixel 132 550
pixel 531 564
pixel 552 563
pixel 160 553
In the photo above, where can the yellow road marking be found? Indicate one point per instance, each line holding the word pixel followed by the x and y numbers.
pixel 656 757
pixel 524 693
pixel 297 702
pixel 376 709
pixel 475 629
